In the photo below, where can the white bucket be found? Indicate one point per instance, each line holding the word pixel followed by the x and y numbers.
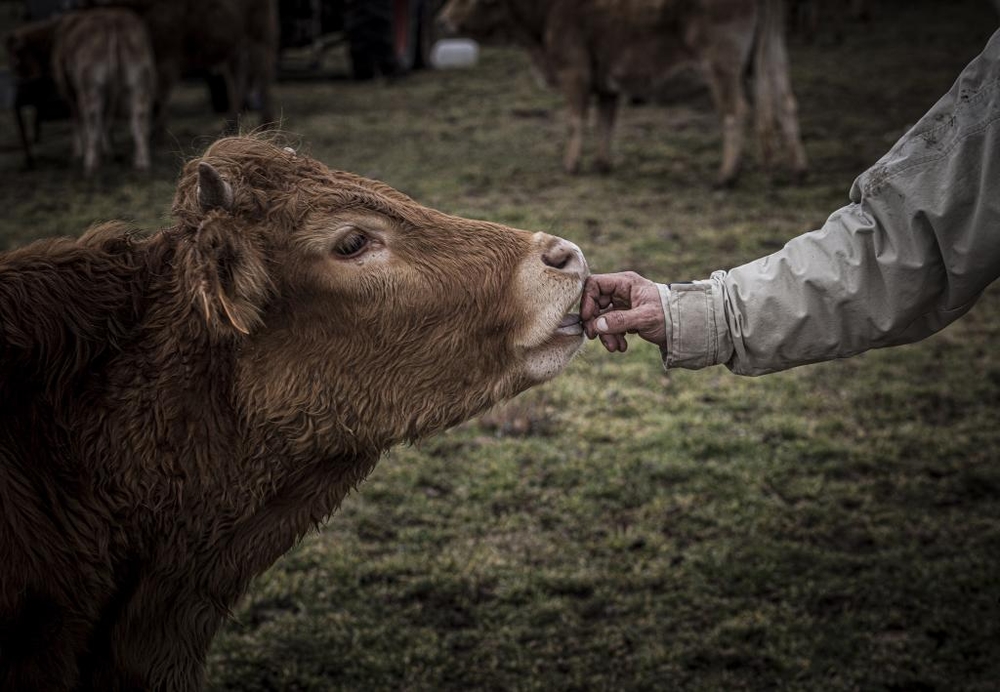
pixel 450 53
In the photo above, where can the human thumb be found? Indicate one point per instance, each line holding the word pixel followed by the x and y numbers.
pixel 614 322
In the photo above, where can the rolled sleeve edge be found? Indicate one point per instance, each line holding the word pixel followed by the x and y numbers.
pixel 692 334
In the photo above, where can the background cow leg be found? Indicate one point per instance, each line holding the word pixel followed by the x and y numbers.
pixel 168 73
pixel 77 125
pixel 263 66
pixel 774 102
pixel 92 112
pixel 577 102
pixel 237 78
pixel 140 101
pixel 106 148
pixel 607 109
pixel 788 118
pixel 777 121
pixel 726 84
pixel 139 116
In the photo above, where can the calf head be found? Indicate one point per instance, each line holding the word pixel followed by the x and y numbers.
pixel 361 318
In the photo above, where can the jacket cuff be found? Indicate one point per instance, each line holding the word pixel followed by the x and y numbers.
pixel 695 324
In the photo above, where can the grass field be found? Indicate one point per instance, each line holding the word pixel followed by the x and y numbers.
pixel 835 527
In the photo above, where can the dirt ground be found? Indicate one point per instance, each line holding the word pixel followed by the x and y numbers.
pixel 835 527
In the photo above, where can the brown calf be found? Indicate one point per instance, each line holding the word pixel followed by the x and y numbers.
pixel 598 48
pixel 177 411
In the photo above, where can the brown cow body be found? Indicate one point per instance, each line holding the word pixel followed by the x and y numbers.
pixel 177 411
pixel 603 48
pixel 237 38
pixel 102 59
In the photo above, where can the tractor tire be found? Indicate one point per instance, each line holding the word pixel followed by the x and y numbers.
pixel 388 37
pixel 218 92
pixel 368 25
pixel 427 33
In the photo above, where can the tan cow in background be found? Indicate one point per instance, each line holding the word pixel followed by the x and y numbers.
pixel 103 60
pixel 603 48
pixel 102 63
pixel 237 38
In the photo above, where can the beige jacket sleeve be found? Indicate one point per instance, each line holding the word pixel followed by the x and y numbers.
pixel 912 252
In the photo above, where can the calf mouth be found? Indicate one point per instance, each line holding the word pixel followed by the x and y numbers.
pixel 569 325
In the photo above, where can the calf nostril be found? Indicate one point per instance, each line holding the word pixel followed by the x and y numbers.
pixel 561 255
pixel 557 257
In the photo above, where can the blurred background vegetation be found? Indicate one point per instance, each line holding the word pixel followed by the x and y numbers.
pixel 833 527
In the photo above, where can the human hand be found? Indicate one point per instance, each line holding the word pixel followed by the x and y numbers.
pixel 614 305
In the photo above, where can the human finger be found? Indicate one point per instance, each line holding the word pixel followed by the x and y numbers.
pixel 614 342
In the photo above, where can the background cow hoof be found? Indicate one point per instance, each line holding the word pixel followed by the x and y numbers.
pixel 789 177
pixel 725 182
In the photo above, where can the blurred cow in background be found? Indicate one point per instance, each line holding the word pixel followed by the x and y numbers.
pixel 102 62
pixel 600 48
pixel 29 49
pixel 29 52
pixel 236 38
pixel 101 58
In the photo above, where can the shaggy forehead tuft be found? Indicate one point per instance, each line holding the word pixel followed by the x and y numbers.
pixel 261 159
pixel 274 178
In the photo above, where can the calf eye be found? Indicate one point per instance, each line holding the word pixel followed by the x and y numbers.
pixel 351 244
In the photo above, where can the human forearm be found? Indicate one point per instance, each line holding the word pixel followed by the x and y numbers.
pixel 913 250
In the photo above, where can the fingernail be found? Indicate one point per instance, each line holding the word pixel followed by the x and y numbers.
pixel 602 324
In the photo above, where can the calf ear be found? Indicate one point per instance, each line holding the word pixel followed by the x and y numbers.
pixel 228 275
pixel 213 191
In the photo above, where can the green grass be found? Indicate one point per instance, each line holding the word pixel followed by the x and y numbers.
pixel 835 527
